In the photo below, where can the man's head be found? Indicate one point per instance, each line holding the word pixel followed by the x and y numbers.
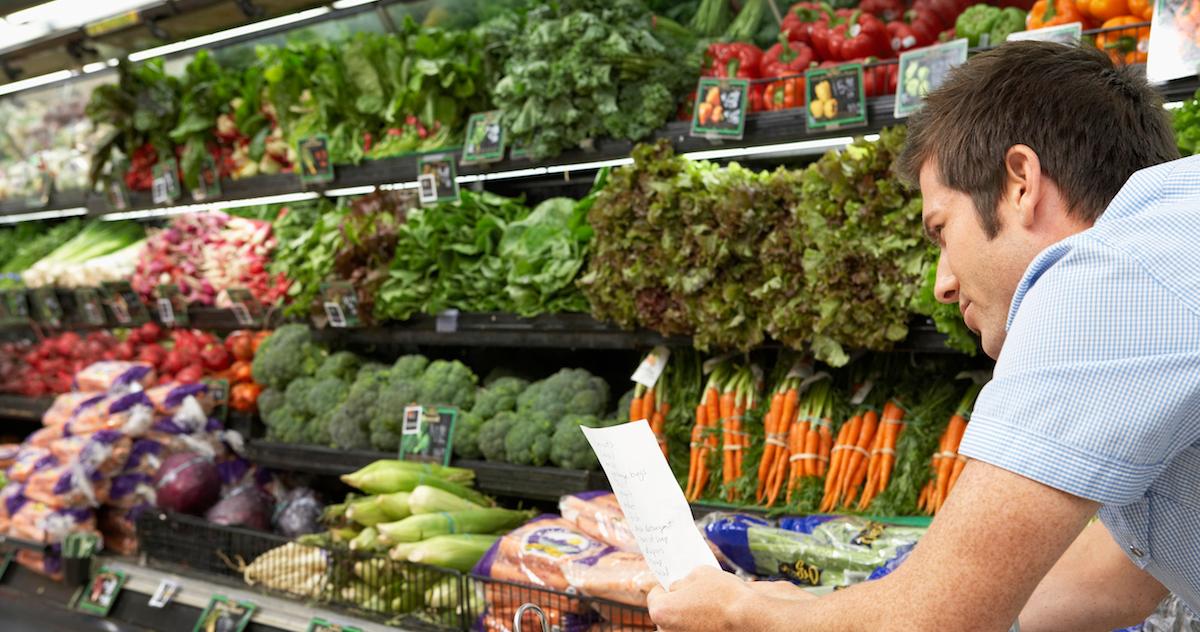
pixel 1020 148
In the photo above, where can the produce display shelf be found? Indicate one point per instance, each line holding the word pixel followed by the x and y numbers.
pixel 16 407
pixel 499 479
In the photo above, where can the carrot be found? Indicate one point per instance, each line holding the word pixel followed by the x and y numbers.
pixel 635 406
pixel 959 464
pixel 648 404
pixel 838 456
pixel 826 445
pixel 858 475
pixel 694 450
pixel 812 440
pixel 774 411
pixel 892 418
pixel 954 433
pixel 859 454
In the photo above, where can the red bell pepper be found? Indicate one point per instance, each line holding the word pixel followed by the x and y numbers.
pixel 946 11
pixel 786 58
pixel 879 79
pixel 886 10
pixel 904 35
pixel 822 34
pixel 925 25
pixel 797 25
pixel 738 60
pixel 861 35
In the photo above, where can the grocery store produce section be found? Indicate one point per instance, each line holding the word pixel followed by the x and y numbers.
pixel 271 329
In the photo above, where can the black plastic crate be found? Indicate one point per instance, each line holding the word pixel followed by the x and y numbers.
pixel 493 604
pixel 370 585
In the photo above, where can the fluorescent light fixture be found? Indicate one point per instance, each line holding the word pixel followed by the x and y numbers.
pixel 155 212
pixel 213 38
pixel 1174 105
pixel 370 188
pixel 469 178
pixel 211 206
pixel 797 147
pixel 583 166
pixel 346 4
pixel 55 214
pixel 516 173
pixel 397 186
pixel 33 82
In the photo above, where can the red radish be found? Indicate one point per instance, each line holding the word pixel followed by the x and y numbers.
pixel 189 374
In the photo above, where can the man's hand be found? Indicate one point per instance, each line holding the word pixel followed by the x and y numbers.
pixel 710 599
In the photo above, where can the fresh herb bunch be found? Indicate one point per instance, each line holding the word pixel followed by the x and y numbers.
pixel 369 231
pixel 586 69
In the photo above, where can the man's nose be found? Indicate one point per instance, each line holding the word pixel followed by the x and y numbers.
pixel 945 287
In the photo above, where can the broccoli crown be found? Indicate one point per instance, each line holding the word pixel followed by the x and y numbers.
pixel 269 400
pixel 568 392
pixel 316 431
pixel 386 426
pixel 569 449
pixel 286 424
pixel 448 383
pixel 492 435
pixel 350 424
pixel 410 366
pixel 285 355
pixel 342 365
pixel 325 395
pixel 372 367
pixel 499 397
pixel 296 394
pixel 528 441
pixel 466 435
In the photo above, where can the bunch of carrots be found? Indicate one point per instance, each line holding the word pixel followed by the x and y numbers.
pixel 853 465
pixel 808 428
pixel 651 404
pixel 729 393
pixel 947 463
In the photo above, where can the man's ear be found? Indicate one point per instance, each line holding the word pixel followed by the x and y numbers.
pixel 1023 185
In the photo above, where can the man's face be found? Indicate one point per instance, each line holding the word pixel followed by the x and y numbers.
pixel 978 273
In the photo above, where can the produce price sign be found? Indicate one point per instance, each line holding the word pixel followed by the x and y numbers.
pixel 47 307
pixel 485 138
pixel 165 186
pixel 246 309
pixel 100 593
pixel 721 106
pixel 315 165
pixel 437 179
pixel 89 307
pixel 218 390
pixel 125 304
pixel 923 70
pixel 172 308
pixel 1069 34
pixel 1174 46
pixel 321 625
pixel 225 615
pixel 17 304
pixel 166 591
pixel 835 97
pixel 427 434
pixel 341 304
pixel 209 185
pixel 117 193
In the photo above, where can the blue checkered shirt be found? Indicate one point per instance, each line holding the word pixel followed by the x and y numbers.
pixel 1097 390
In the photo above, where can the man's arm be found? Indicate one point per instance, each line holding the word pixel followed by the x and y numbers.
pixel 1093 586
pixel 997 536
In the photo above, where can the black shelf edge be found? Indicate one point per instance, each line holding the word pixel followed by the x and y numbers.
pixel 498 479
pixel 16 407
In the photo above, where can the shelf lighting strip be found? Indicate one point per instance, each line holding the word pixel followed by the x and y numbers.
pixel 237 31
pixel 211 206
pixel 55 214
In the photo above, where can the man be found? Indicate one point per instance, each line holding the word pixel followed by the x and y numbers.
pixel 1089 299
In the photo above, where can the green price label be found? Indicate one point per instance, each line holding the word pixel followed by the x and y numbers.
pixel 88 307
pixel 341 304
pixel 922 71
pixel 721 108
pixel 485 138
pixel 47 307
pixel 208 186
pixel 125 304
pixel 437 179
pixel 218 390
pixel 321 625
pixel 18 304
pixel 427 434
pixel 172 307
pixel 315 164
pixel 165 186
pixel 246 309
pixel 225 615
pixel 835 97
pixel 101 592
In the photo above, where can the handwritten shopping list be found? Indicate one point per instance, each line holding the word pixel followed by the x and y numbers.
pixel 653 503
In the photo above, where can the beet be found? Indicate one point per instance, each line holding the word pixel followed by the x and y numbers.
pixel 187 483
pixel 246 506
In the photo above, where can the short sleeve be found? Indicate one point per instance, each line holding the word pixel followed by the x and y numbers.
pixel 1098 384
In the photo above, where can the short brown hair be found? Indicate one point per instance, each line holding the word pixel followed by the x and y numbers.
pixel 1092 125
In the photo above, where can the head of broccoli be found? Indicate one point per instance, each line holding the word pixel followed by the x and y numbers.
pixel 342 365
pixel 296 394
pixel 568 392
pixel 410 366
pixel 285 355
pixel 388 421
pixel 447 383
pixel 528 441
pixel 326 394
pixel 269 400
pixel 350 424
pixel 286 424
pixel 466 435
pixel 569 449
pixel 500 396
pixel 492 435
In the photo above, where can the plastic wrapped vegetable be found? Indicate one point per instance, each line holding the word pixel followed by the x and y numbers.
pixel 299 513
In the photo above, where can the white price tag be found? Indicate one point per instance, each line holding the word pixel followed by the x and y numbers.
pixel 166 312
pixel 166 591
pixel 860 395
pixel 337 318
pixel 652 367
pixel 242 314
pixel 446 322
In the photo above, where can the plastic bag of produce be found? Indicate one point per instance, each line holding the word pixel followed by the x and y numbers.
pixel 187 483
pixel 299 513
pixel 68 486
pixel 105 452
pixel 30 460
pixel 598 515
pixel 811 551
pixel 145 456
pixel 131 490
pixel 8 454
pixel 246 506
pixel 111 374
pixel 169 398
pixel 130 413
pixel 66 405
pixel 12 498
pixel 48 565
pixel 43 437
pixel 38 522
